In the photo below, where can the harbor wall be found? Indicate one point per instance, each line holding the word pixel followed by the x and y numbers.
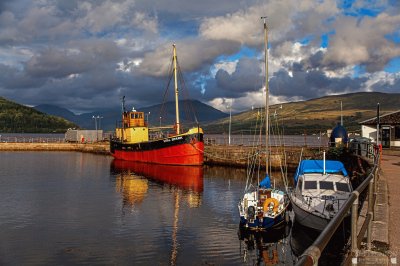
pixel 99 148
pixel 241 156
pixel 227 155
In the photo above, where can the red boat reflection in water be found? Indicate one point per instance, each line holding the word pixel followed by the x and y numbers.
pixel 184 177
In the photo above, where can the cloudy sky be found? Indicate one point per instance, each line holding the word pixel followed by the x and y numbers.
pixel 85 54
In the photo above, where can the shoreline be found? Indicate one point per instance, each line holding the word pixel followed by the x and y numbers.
pixel 224 155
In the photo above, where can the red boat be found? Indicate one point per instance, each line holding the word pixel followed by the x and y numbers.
pixel 132 143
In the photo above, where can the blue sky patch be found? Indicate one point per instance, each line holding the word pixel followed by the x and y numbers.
pixel 358 71
pixel 393 66
pixel 244 52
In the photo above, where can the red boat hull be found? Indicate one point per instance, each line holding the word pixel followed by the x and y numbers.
pixel 178 150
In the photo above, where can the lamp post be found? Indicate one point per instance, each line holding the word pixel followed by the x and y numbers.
pixel 230 122
pixel 95 123
pixel 160 121
pixel 147 118
pixel 97 134
pixel 99 117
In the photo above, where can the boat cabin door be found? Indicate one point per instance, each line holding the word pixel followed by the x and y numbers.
pixel 385 141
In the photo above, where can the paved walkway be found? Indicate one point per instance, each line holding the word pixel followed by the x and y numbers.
pixel 390 165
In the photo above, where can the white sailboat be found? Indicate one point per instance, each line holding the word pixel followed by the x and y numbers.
pixel 263 206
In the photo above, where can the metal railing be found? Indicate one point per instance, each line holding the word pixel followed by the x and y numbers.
pixel 312 254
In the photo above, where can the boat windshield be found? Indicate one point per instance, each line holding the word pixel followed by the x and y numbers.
pixel 327 185
pixel 310 185
pixel 342 187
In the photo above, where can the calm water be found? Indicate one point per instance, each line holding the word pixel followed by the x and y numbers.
pixel 63 208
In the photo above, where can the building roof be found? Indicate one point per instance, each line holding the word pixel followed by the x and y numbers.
pixel 388 119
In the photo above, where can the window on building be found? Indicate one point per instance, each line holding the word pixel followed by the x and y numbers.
pixel 397 132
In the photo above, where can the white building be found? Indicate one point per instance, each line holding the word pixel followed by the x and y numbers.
pixel 389 133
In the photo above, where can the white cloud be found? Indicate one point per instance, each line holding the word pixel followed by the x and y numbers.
pixel 363 41
pixel 228 66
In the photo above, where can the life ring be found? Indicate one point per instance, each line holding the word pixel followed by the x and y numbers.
pixel 267 203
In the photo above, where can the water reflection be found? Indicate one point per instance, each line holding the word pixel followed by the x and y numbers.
pixel 132 187
pixel 266 247
pixel 73 208
pixel 302 237
pixel 183 177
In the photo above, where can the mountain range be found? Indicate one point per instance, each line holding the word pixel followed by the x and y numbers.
pixel 190 110
pixel 315 115
pixel 311 116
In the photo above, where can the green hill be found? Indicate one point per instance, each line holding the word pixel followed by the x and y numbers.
pixel 316 115
pixel 16 118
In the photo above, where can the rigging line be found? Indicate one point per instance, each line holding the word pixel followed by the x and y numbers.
pixel 257 147
pixel 190 107
pixel 256 151
pixel 284 174
pixel 185 93
pixel 163 112
pixel 279 149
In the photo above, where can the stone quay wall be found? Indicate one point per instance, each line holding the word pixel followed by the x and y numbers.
pixel 238 156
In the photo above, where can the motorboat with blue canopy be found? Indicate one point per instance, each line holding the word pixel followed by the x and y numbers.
pixel 321 189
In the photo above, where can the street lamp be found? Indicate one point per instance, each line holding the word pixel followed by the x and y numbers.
pixel 99 117
pixel 147 118
pixel 95 123
pixel 160 121
pixel 230 122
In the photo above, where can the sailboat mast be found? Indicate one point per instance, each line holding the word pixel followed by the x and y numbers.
pixel 176 90
pixel 266 93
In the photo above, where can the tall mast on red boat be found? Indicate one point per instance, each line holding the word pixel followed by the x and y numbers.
pixel 176 89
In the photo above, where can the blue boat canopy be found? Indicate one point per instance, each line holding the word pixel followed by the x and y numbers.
pixel 317 166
